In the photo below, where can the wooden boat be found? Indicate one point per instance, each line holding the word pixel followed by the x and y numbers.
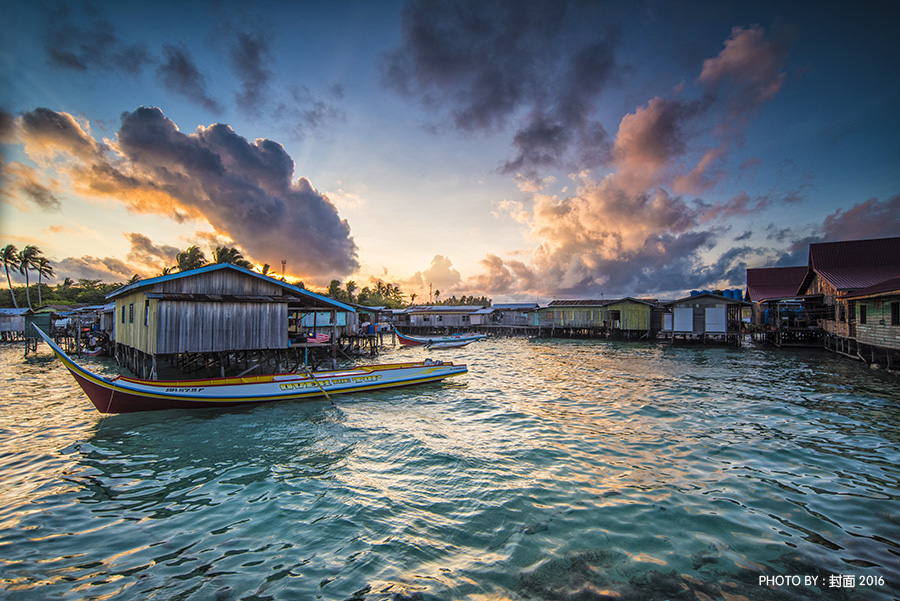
pixel 124 395
pixel 419 340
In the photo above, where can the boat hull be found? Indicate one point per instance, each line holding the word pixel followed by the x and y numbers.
pixel 408 340
pixel 128 395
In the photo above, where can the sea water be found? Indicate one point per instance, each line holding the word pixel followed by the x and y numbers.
pixel 554 469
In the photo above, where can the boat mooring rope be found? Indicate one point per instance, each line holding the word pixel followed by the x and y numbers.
pixel 325 392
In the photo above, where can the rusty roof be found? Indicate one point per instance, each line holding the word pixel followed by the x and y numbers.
pixel 774 282
pixel 854 264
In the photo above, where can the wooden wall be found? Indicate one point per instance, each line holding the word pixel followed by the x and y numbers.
pixel 131 326
pixel 187 326
pixel 877 331
pixel 632 316
pixel 223 281
pixel 161 326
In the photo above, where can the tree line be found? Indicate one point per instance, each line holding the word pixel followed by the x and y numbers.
pixel 391 296
pixel 85 291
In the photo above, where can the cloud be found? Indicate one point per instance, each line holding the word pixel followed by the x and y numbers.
pixel 88 267
pixel 440 275
pixel 747 73
pixel 23 185
pixel 870 219
pixel 649 140
pixel 631 232
pixel 47 134
pixel 244 190
pixel 144 251
pixel 249 54
pixel 482 66
pixel 180 74
pixel 76 38
pixel 7 127
pixel 503 277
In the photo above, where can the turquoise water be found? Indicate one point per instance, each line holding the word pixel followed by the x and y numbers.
pixel 558 470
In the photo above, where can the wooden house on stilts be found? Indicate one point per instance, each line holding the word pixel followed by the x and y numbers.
pixel 222 319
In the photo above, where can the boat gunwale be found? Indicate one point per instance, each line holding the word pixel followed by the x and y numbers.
pixel 130 385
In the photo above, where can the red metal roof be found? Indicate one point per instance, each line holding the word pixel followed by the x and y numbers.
pixel 774 282
pixel 891 286
pixel 854 264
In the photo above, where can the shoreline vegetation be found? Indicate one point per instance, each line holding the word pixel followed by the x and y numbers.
pixel 85 291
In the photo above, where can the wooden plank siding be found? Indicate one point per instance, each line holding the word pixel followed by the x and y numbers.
pixel 220 282
pixel 877 330
pixel 632 316
pixel 164 326
pixel 186 326
pixel 131 328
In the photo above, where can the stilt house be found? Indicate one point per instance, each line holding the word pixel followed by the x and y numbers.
pixel 705 317
pixel 878 322
pixel 632 318
pixel 837 269
pixel 581 317
pixel 216 315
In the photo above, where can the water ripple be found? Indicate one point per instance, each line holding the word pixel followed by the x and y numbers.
pixel 553 470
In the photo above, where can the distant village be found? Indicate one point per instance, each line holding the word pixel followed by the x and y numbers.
pixel 224 318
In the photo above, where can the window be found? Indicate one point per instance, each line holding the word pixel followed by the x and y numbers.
pixel 862 314
pixel 131 313
pixel 123 313
pixel 147 312
pixel 895 314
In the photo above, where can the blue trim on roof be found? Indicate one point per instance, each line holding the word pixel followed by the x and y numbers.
pixel 182 274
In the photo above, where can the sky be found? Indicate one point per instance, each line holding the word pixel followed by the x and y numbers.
pixel 522 150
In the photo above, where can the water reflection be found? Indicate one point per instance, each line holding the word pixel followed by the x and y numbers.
pixel 555 470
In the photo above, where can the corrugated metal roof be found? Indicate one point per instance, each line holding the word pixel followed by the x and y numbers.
pixel 15 312
pixel 774 282
pixel 295 290
pixel 578 303
pixel 445 309
pixel 890 286
pixel 515 306
pixel 729 301
pixel 855 264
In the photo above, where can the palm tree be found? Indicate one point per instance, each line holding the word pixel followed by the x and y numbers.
pixel 28 259
pixel 351 288
pixel 437 297
pixel 412 298
pixel 10 256
pixel 190 258
pixel 44 269
pixel 168 270
pixel 225 254
pixel 266 269
pixel 132 280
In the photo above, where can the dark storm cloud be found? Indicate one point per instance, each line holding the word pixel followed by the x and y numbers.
pixel 250 53
pixel 242 188
pixel 77 38
pixel 143 250
pixel 180 74
pixel 245 190
pixel 481 65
